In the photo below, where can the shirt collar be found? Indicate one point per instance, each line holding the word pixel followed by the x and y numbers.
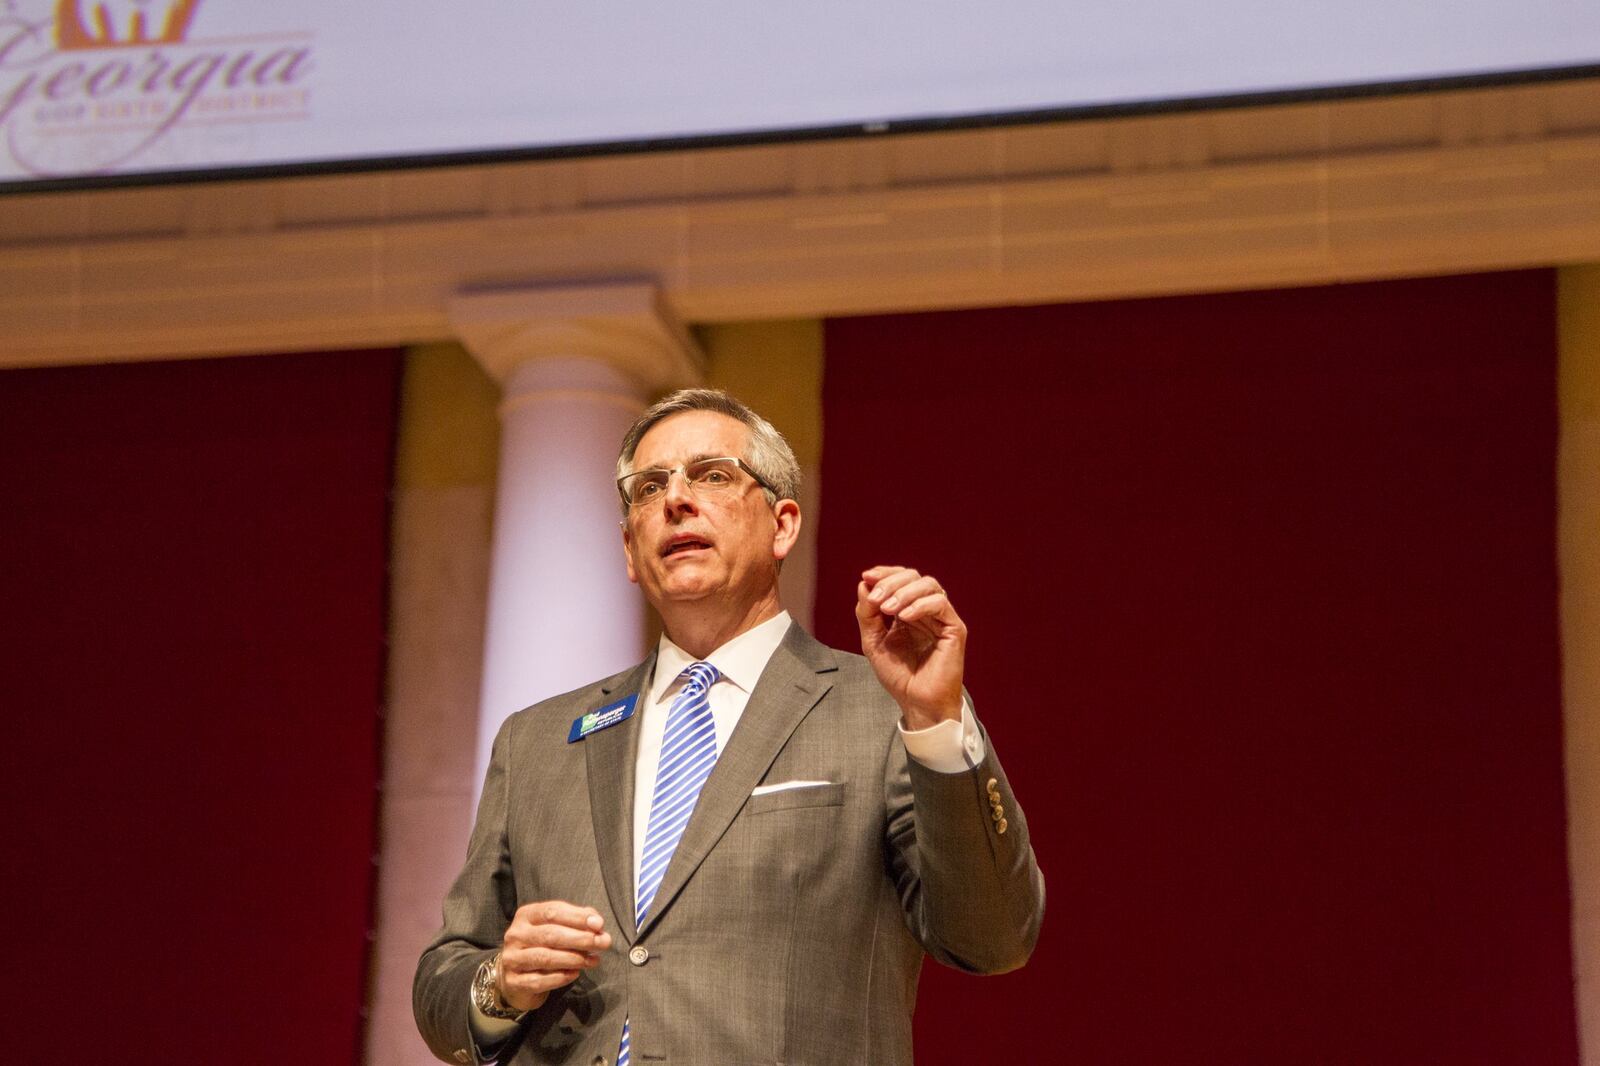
pixel 741 660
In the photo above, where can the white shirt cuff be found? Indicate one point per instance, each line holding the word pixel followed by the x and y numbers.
pixel 949 747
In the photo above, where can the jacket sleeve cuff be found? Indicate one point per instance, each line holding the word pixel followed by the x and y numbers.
pixel 488 1034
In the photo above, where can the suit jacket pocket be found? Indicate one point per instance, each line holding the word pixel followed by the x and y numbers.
pixel 831 795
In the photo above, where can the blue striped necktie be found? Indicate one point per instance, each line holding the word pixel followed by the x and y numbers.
pixel 688 751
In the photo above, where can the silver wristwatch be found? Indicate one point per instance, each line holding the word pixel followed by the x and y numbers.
pixel 486 992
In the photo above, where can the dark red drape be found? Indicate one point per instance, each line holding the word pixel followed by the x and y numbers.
pixel 1262 599
pixel 194 561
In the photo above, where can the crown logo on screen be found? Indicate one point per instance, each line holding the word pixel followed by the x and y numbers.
pixel 119 23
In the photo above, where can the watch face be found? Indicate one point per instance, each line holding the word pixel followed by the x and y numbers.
pixel 482 984
pixel 485 995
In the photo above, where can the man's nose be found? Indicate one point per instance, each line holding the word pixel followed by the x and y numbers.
pixel 679 496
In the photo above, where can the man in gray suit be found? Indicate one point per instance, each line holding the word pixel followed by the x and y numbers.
pixel 738 851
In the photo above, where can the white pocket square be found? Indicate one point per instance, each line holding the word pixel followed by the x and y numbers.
pixel 784 786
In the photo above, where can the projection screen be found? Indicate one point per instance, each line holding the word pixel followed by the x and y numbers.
pixel 107 91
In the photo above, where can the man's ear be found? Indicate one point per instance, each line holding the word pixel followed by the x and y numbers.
pixel 786 516
pixel 627 552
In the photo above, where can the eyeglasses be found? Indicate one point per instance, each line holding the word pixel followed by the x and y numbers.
pixel 705 478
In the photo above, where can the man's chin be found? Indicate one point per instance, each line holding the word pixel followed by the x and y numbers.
pixel 687 588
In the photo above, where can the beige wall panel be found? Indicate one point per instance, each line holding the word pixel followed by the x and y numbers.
pixel 28 273
pixel 221 211
pixel 329 200
pixel 1362 244
pixel 27 219
pixel 200 335
pixel 140 274
pixel 1568 107
pixel 149 213
pixel 1039 151
pixel 1253 135
pixel 524 190
pixel 161 311
pixel 839 244
pixel 840 166
pixel 731 173
pixel 1465 209
pixel 1192 201
pixel 28 317
pixel 38 298
pixel 1458 181
pixel 835 225
pixel 723 277
pixel 776 368
pixel 929 160
pixel 135 212
pixel 1578 481
pixel 439 559
pixel 430 263
pixel 443 193
pixel 1156 143
pixel 658 176
pixel 1163 260
pixel 426 837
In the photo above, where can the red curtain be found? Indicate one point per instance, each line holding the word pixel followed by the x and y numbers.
pixel 194 567
pixel 1262 599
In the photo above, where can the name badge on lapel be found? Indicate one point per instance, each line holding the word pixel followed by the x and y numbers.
pixel 604 718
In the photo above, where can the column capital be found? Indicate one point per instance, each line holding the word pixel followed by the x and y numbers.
pixel 625 324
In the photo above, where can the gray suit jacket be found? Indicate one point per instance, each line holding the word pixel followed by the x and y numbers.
pixel 789 927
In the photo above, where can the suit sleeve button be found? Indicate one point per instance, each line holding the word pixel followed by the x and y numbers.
pixel 639 955
pixel 1000 827
pixel 462 1056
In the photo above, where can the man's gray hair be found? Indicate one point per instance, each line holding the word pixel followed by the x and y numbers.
pixel 770 455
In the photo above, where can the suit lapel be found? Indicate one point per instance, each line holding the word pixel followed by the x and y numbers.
pixel 609 758
pixel 791 685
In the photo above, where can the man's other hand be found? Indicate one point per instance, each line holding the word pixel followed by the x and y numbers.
pixel 547 946
pixel 915 641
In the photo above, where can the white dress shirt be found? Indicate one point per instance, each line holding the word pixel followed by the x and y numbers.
pixel 949 747
pixel 945 747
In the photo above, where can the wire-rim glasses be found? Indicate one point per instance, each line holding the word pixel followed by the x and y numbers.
pixel 710 476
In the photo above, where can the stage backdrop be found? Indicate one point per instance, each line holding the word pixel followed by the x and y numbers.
pixel 1262 599
pixel 194 572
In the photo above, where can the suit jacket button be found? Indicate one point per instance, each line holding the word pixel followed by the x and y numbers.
pixel 639 955
pixel 462 1056
pixel 599 1060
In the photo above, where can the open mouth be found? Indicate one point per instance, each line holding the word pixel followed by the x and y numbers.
pixel 679 545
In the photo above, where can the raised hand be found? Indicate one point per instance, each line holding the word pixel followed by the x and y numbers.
pixel 915 641
pixel 547 946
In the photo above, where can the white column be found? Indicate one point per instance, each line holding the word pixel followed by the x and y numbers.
pixel 578 365
pixel 561 609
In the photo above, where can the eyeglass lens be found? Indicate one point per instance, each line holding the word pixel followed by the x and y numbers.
pixel 703 476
